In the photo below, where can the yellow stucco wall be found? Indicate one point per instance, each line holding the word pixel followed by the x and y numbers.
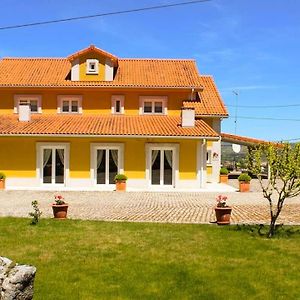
pixel 82 68
pixel 94 101
pixel 18 155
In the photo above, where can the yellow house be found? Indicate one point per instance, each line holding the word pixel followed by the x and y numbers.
pixel 74 123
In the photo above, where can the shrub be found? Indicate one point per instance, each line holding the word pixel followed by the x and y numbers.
pixel 2 175
pixel 120 177
pixel 224 171
pixel 244 177
pixel 36 214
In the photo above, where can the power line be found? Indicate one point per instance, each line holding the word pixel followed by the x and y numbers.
pixel 266 118
pixel 103 14
pixel 264 106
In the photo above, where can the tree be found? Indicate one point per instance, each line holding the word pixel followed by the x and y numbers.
pixel 284 175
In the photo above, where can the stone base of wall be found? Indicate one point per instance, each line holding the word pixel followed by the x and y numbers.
pixel 16 281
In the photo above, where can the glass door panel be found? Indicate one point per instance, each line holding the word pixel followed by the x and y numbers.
pixel 162 167
pixel 107 165
pixel 59 166
pixel 47 166
pixel 168 167
pixel 53 166
pixel 156 166
pixel 101 165
pixel 113 165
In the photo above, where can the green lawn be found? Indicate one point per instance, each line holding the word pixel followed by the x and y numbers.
pixel 103 260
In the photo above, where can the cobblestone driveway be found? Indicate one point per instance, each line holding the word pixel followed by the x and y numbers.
pixel 171 207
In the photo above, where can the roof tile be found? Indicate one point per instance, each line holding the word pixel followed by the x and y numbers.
pixel 210 102
pixel 103 126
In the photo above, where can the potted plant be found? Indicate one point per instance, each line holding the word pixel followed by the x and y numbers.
pixel 120 180
pixel 244 182
pixel 2 181
pixel 60 207
pixel 222 210
pixel 224 175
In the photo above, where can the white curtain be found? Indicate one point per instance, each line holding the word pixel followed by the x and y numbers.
pixel 47 153
pixel 99 157
pixel 154 155
pixel 168 154
pixel 114 154
pixel 61 154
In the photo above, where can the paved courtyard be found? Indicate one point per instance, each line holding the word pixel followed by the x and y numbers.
pixel 173 207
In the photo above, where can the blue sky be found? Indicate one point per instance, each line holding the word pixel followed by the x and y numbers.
pixel 252 47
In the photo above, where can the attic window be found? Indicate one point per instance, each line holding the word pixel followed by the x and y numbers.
pixel 92 66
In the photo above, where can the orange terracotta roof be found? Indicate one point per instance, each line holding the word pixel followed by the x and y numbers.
pixel 137 73
pixel 108 125
pixel 210 102
pixel 242 140
pixel 92 48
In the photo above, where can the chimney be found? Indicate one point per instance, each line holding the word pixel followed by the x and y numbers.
pixel 188 117
pixel 24 113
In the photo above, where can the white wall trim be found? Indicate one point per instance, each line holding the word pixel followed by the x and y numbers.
pixel 39 161
pixel 93 155
pixel 153 99
pixel 75 70
pixel 109 70
pixel 24 97
pixel 61 98
pixel 115 98
pixel 175 159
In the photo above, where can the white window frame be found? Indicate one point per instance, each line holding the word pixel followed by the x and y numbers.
pixel 93 167
pixel 19 98
pixel 153 99
pixel 88 64
pixel 61 98
pixel 114 99
pixel 39 162
pixel 175 162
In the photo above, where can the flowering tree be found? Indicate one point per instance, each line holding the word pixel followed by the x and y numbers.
pixel 284 175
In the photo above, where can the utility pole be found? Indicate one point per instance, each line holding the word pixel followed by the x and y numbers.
pixel 236 93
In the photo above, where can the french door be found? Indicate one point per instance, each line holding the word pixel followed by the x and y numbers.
pixel 108 162
pixel 162 166
pixel 53 165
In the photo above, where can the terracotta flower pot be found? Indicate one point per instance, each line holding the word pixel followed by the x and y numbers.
pixel 60 211
pixel 2 184
pixel 223 215
pixel 121 185
pixel 223 178
pixel 244 186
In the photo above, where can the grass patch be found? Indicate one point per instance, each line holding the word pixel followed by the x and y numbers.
pixel 102 260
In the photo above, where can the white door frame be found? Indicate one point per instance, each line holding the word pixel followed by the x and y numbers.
pixel 106 146
pixel 175 163
pixel 39 164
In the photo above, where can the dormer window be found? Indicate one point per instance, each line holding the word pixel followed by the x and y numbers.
pixel 92 66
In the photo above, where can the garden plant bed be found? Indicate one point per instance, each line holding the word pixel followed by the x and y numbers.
pixel 107 260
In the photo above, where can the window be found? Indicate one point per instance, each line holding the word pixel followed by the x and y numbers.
pixel 208 157
pixel 153 105
pixel 106 163
pixel 92 66
pixel 162 164
pixel 34 101
pixel 71 104
pixel 53 163
pixel 117 104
